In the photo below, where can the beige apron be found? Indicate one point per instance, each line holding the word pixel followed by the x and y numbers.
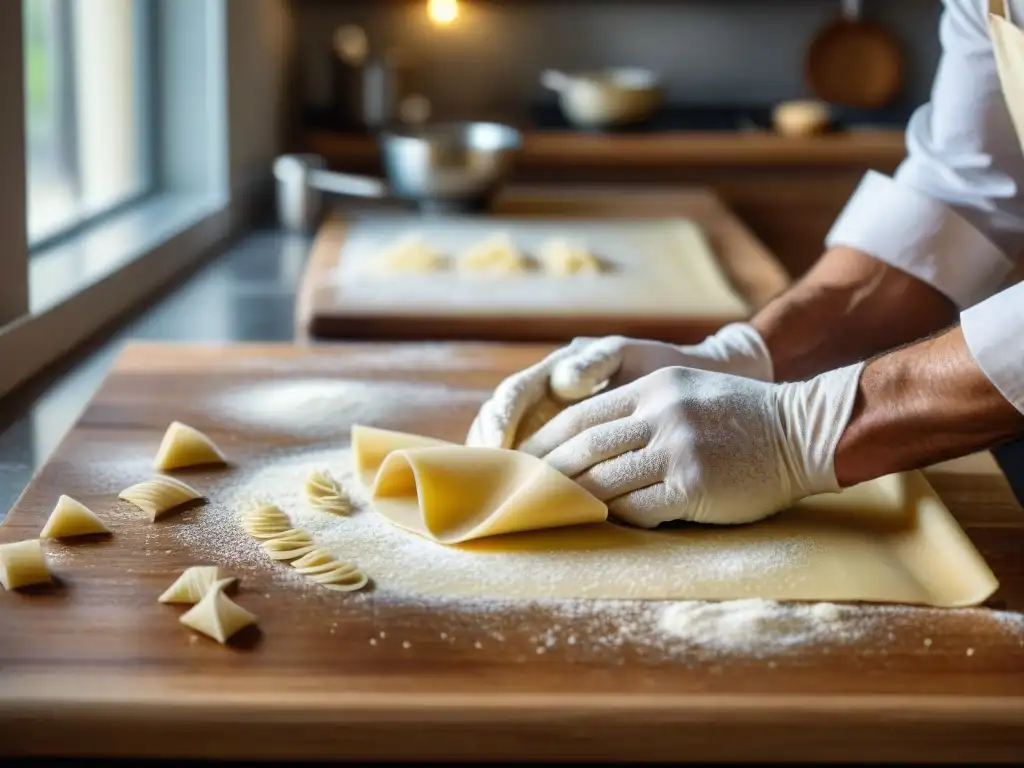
pixel 1008 46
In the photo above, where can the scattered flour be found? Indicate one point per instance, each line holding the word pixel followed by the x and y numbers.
pixel 410 565
pixel 414 591
pixel 747 626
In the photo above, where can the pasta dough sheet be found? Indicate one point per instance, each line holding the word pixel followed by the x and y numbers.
pixel 655 267
pixel 453 493
pixel 891 541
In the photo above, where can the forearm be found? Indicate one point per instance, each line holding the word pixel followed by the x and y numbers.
pixel 848 307
pixel 919 405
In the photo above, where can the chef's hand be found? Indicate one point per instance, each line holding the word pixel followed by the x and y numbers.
pixel 686 444
pixel 587 366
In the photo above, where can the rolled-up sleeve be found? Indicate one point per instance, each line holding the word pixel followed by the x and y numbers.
pixel 953 213
pixel 994 332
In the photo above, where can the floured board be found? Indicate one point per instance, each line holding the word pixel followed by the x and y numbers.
pixel 677 266
pixel 96 666
pixel 656 268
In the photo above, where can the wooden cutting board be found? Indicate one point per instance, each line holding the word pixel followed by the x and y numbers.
pixel 95 666
pixel 648 299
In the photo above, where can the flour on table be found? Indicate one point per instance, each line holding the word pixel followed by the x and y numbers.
pixel 749 625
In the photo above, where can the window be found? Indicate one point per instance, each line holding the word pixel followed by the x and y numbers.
pixel 88 110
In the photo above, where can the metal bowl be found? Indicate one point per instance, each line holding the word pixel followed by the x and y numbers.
pixel 449 163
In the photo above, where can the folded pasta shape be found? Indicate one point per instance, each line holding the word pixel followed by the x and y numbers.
pixel 185 446
pixel 263 520
pixel 159 496
pixel 193 584
pixel 322 566
pixel 22 564
pixel 71 518
pixel 326 493
pixel 455 493
pixel 216 615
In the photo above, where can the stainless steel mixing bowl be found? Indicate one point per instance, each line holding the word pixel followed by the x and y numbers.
pixel 447 166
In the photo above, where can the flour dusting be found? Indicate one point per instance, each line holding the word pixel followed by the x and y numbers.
pixel 464 591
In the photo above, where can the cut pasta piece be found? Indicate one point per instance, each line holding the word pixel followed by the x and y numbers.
pixel 184 446
pixel 495 254
pixel 326 493
pixel 411 254
pixel 71 518
pixel 22 564
pixel 159 496
pixel 560 256
pixel 323 567
pixel 263 520
pixel 193 584
pixel 216 615
pixel 290 545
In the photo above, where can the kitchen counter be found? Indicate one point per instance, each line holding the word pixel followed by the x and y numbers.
pixel 247 294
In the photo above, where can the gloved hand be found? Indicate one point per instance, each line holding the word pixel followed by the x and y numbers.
pixel 525 400
pixel 685 444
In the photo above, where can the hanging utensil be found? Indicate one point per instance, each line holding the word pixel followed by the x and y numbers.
pixel 853 62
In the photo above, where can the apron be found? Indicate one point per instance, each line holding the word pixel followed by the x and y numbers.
pixel 1008 48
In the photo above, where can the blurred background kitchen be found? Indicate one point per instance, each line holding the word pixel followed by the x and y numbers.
pixel 138 139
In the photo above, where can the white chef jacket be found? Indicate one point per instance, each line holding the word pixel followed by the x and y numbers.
pixel 953 213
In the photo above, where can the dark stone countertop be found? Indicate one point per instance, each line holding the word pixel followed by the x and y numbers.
pixel 246 293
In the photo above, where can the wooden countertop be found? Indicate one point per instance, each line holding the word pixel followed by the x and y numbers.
pixel 96 667
pixel 753 271
pixel 555 149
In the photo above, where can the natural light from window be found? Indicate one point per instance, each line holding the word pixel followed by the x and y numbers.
pixel 86 110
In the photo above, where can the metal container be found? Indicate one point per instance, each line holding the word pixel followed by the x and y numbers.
pixel 443 167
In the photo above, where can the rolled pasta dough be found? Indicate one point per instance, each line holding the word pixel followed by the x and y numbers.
pixel 455 493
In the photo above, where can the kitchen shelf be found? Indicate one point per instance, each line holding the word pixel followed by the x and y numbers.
pixel 571 149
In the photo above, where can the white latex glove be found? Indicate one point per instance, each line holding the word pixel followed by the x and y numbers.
pixel 587 366
pixel 685 444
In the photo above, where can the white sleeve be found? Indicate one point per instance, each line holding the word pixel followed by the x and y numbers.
pixel 953 213
pixel 994 332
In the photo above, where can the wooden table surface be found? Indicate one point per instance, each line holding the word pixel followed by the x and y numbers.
pixel 750 267
pixel 94 666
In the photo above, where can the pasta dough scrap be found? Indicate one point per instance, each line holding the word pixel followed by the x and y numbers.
pixel 326 493
pixel 159 496
pixel 193 584
pixel 561 256
pixel 263 520
pixel 494 254
pixel 289 546
pixel 183 446
pixel 411 254
pixel 216 615
pixel 323 566
pixel 456 493
pixel 22 563
pixel 71 518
